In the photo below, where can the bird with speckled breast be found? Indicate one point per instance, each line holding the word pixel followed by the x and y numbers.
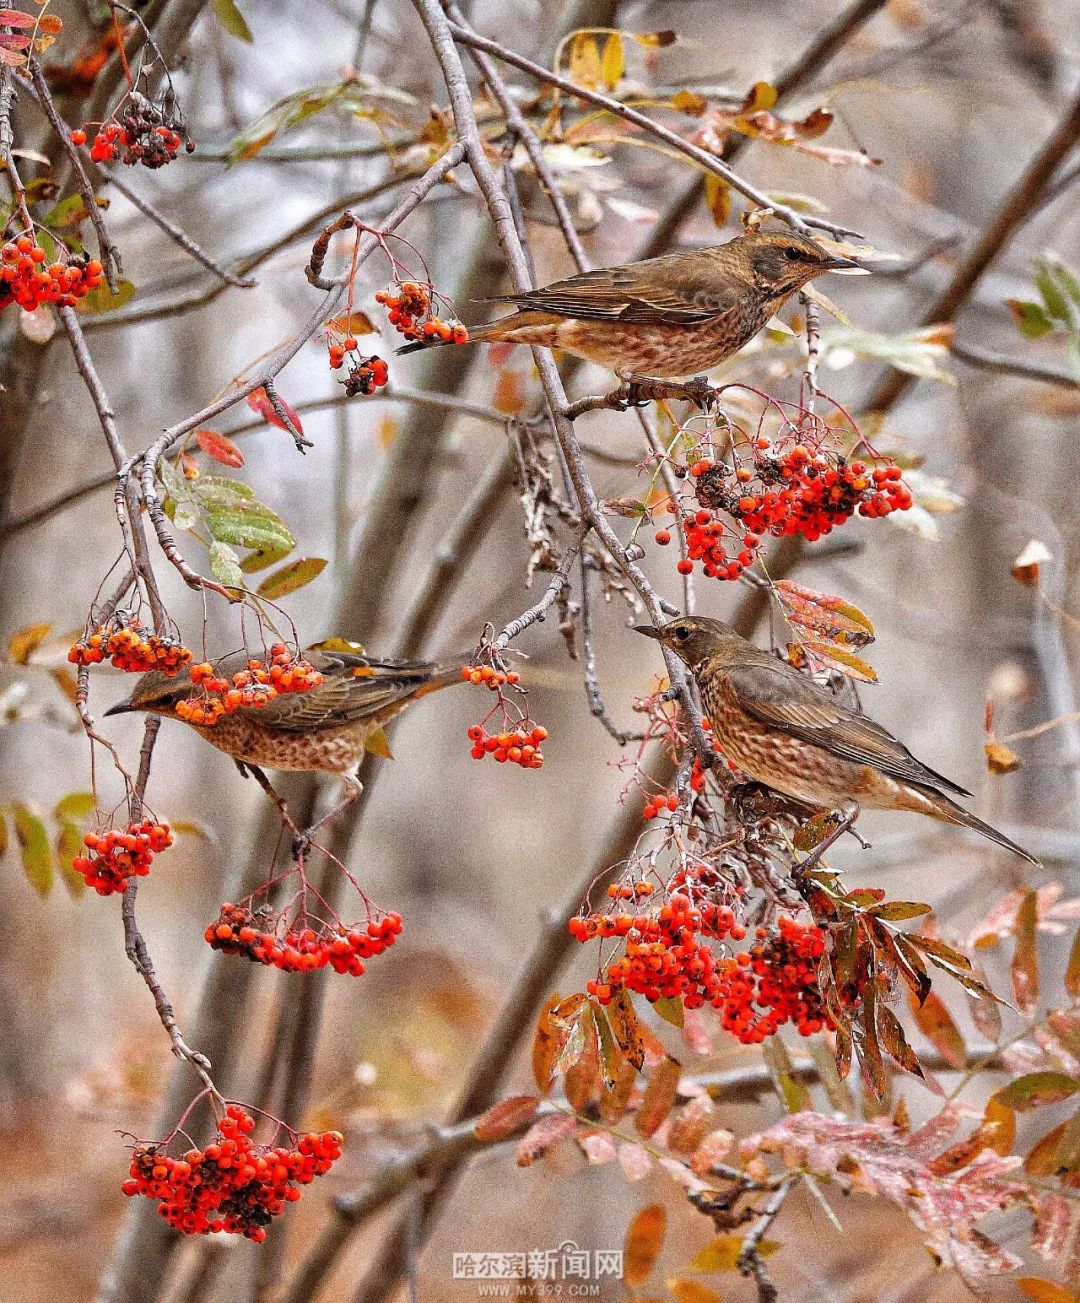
pixel 325 728
pixel 668 317
pixel 784 730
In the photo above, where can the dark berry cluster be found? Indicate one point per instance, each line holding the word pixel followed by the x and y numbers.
pixel 143 133
pixel 409 312
pixel 255 686
pixel 521 746
pixel 26 280
pixel 238 931
pixel 774 983
pixel 232 1185
pixel 363 374
pixel 118 855
pixel 130 646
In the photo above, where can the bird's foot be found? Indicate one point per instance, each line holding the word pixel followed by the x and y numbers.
pixel 302 843
pixel 641 389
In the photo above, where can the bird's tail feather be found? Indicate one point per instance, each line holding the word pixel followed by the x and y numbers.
pixel 956 814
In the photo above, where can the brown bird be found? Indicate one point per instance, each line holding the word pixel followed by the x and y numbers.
pixel 665 317
pixel 325 728
pixel 785 731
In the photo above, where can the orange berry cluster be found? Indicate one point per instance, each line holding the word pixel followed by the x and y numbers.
pixel 141 135
pixel 364 374
pixel 131 647
pixel 255 686
pixel 410 314
pixel 26 280
pixel 302 949
pixel 656 804
pixel 232 1185
pixel 520 747
pixel 116 856
pixel 665 956
pixel 490 676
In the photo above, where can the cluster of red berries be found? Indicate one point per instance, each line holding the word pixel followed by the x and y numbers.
pixel 490 676
pixel 131 647
pixel 773 983
pixel 520 747
pixel 256 686
pixel 143 134
pixel 116 856
pixel 26 280
pixel 232 1185
pixel 657 804
pixel 410 314
pixel 302 949
pixel 364 374
pixel 705 536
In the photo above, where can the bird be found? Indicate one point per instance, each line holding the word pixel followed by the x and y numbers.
pixel 667 317
pixel 787 732
pixel 325 728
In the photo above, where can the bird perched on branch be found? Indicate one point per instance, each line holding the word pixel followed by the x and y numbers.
pixel 785 731
pixel 325 728
pixel 665 317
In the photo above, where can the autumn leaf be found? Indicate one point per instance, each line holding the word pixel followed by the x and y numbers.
pixel 659 1097
pixel 1072 971
pixel 1001 759
pixel 23 644
pixel 644 1240
pixel 219 447
pixel 1025 961
pixel 506 1117
pixel 1036 1090
pixel 1044 1291
pixel 547 1043
pixel 627 1029
pixel 612 61
pixel 936 1024
pixel 691 1291
pixel 290 577
pixel 259 401
pixel 543 1135
pixel 34 848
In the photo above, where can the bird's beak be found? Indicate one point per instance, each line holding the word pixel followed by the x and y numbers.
pixel 649 630
pixel 846 267
pixel 121 708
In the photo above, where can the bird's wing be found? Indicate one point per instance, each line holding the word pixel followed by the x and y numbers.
pixel 671 291
pixel 354 689
pixel 785 699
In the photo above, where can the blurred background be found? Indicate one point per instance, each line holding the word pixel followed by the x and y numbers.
pixel 954 99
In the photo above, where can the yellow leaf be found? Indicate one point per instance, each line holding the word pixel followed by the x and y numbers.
pixel 644 1238
pixel 352 323
pixel 66 680
pixel 22 645
pixel 718 198
pixel 37 856
pixel 762 96
pixel 722 1254
pixel 1044 1291
pixel 387 430
pixel 613 61
pixel 585 61
pixel 1001 759
pixel 378 744
pixel 687 101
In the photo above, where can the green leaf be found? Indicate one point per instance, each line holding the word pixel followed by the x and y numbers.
pixel 225 565
pixel 103 299
pixel 670 1009
pixel 1037 1089
pixel 69 844
pixel 792 1092
pixel 34 848
pixel 234 22
pixel 3 836
pixel 896 911
pixel 75 806
pixel 291 577
pixel 1053 297
pixel 1029 318
pixel 71 211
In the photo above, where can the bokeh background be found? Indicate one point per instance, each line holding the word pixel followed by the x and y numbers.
pixel 954 98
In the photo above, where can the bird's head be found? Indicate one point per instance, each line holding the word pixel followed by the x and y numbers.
pixel 155 693
pixel 695 638
pixel 782 262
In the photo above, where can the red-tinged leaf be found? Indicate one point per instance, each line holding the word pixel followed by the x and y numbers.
pixel 635 1161
pixel 1044 1291
pixel 51 24
pixel 1024 969
pixel 290 577
pixel 1065 1024
pixel 714 1148
pixel 580 1063
pixel 1043 1158
pixel 259 401
pixel 597 1146
pixel 1037 1089
pixel 899 911
pixel 815 124
pixel 13 59
pixel 628 1032
pixel 985 1014
pixel 936 1024
pixel 935 949
pixel 220 448
pixel 34 848
pixel 846 662
pixel 644 1240
pixel 822 610
pixel 891 1037
pixel 910 965
pixel 543 1135
pixel 506 1117
pixel 659 1097
pixel 14 41
pixel 16 18
pixel 1072 970
pixel 689 1124
pixel 843 1051
pixel 691 1291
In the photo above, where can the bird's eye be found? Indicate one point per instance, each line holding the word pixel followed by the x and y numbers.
pixel 682 632
pixel 792 254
